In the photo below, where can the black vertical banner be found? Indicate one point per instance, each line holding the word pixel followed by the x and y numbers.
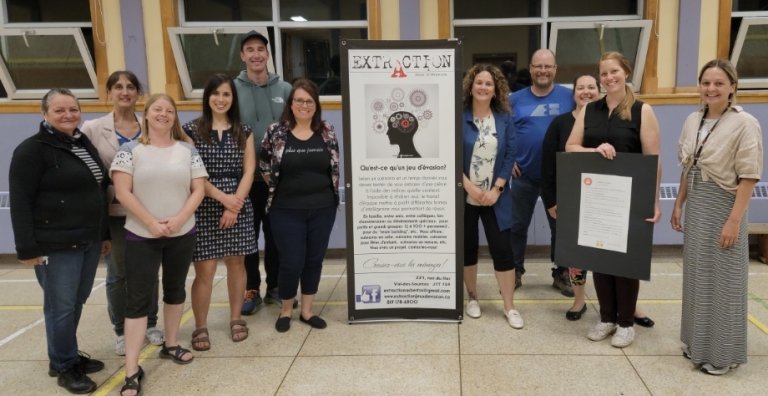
pixel 402 158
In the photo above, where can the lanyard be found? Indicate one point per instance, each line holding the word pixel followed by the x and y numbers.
pixel 698 133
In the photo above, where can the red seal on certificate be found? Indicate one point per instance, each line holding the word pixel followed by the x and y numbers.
pixel 587 181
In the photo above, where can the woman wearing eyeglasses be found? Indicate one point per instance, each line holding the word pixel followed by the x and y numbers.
pixel 299 160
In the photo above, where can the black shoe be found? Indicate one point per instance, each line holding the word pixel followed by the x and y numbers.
pixel 576 315
pixel 85 362
pixel 644 321
pixel 283 324
pixel 315 321
pixel 75 381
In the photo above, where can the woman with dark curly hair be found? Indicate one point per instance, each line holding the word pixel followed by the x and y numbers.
pixel 489 150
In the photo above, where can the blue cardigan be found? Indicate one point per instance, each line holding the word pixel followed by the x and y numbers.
pixel 505 159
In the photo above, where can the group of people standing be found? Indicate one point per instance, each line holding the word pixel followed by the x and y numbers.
pixel 510 146
pixel 153 195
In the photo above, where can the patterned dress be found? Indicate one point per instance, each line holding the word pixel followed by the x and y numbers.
pixel 714 320
pixel 224 162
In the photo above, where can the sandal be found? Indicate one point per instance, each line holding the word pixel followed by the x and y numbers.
pixel 200 336
pixel 239 330
pixel 133 382
pixel 175 353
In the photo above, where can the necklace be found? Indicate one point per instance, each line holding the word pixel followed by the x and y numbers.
pixel 697 154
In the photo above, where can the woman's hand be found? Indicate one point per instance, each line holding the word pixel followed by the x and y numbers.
pixel 656 214
pixel 33 261
pixel 489 198
pixel 174 224
pixel 606 150
pixel 228 219
pixel 159 228
pixel 232 202
pixel 677 213
pixel 106 247
pixel 552 212
pixel 730 233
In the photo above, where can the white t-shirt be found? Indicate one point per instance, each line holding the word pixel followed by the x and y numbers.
pixel 161 180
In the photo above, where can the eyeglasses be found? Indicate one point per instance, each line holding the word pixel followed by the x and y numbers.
pixel 304 102
pixel 543 67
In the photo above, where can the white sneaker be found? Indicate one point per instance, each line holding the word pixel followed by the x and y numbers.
pixel 120 346
pixel 473 309
pixel 623 337
pixel 155 336
pixel 514 319
pixel 601 331
pixel 712 370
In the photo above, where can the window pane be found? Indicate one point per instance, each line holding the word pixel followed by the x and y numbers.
pixel 227 10
pixel 48 11
pixel 48 61
pixel 559 8
pixel 204 56
pixel 471 9
pixel 327 10
pixel 753 60
pixel 479 49
pixel 750 5
pixel 579 50
pixel 308 52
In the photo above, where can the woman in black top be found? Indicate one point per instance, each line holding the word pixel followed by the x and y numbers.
pixel 299 160
pixel 59 216
pixel 616 123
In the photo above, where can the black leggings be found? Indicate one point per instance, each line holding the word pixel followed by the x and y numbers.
pixel 142 261
pixel 499 242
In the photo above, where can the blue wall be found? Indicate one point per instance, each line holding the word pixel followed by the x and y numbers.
pixel 16 127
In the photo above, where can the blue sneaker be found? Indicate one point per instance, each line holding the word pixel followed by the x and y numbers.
pixel 251 302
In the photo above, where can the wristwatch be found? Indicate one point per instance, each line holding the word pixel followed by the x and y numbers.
pixel 500 188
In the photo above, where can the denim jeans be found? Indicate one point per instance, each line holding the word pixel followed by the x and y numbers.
pixel 302 238
pixel 116 286
pixel 525 192
pixel 259 194
pixel 66 281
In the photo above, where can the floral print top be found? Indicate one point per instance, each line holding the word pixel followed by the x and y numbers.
pixel 483 155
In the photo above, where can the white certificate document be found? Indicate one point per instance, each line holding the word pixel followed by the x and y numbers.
pixel 604 211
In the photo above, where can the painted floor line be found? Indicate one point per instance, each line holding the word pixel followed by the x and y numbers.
pixel 118 377
pixel 760 325
pixel 32 325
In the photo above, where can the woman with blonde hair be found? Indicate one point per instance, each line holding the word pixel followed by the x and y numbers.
pixel 107 134
pixel 617 123
pixel 160 180
pixel 721 151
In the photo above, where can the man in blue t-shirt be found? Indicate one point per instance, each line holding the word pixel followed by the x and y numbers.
pixel 533 109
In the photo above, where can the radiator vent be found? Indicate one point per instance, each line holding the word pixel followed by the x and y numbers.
pixel 669 191
pixel 5 200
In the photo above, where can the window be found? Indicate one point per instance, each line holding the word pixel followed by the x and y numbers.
pixel 749 30
pixel 578 31
pixel 44 44
pixel 579 44
pixel 303 37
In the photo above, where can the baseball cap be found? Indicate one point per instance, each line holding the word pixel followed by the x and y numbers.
pixel 250 35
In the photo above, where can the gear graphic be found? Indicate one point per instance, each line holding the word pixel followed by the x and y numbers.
pixel 417 98
pixel 398 94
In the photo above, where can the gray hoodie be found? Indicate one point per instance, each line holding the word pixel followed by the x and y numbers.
pixel 261 105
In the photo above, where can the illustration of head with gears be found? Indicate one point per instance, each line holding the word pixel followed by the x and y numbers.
pixel 402 126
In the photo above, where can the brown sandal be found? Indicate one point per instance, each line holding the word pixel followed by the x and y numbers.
pixel 200 336
pixel 238 328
